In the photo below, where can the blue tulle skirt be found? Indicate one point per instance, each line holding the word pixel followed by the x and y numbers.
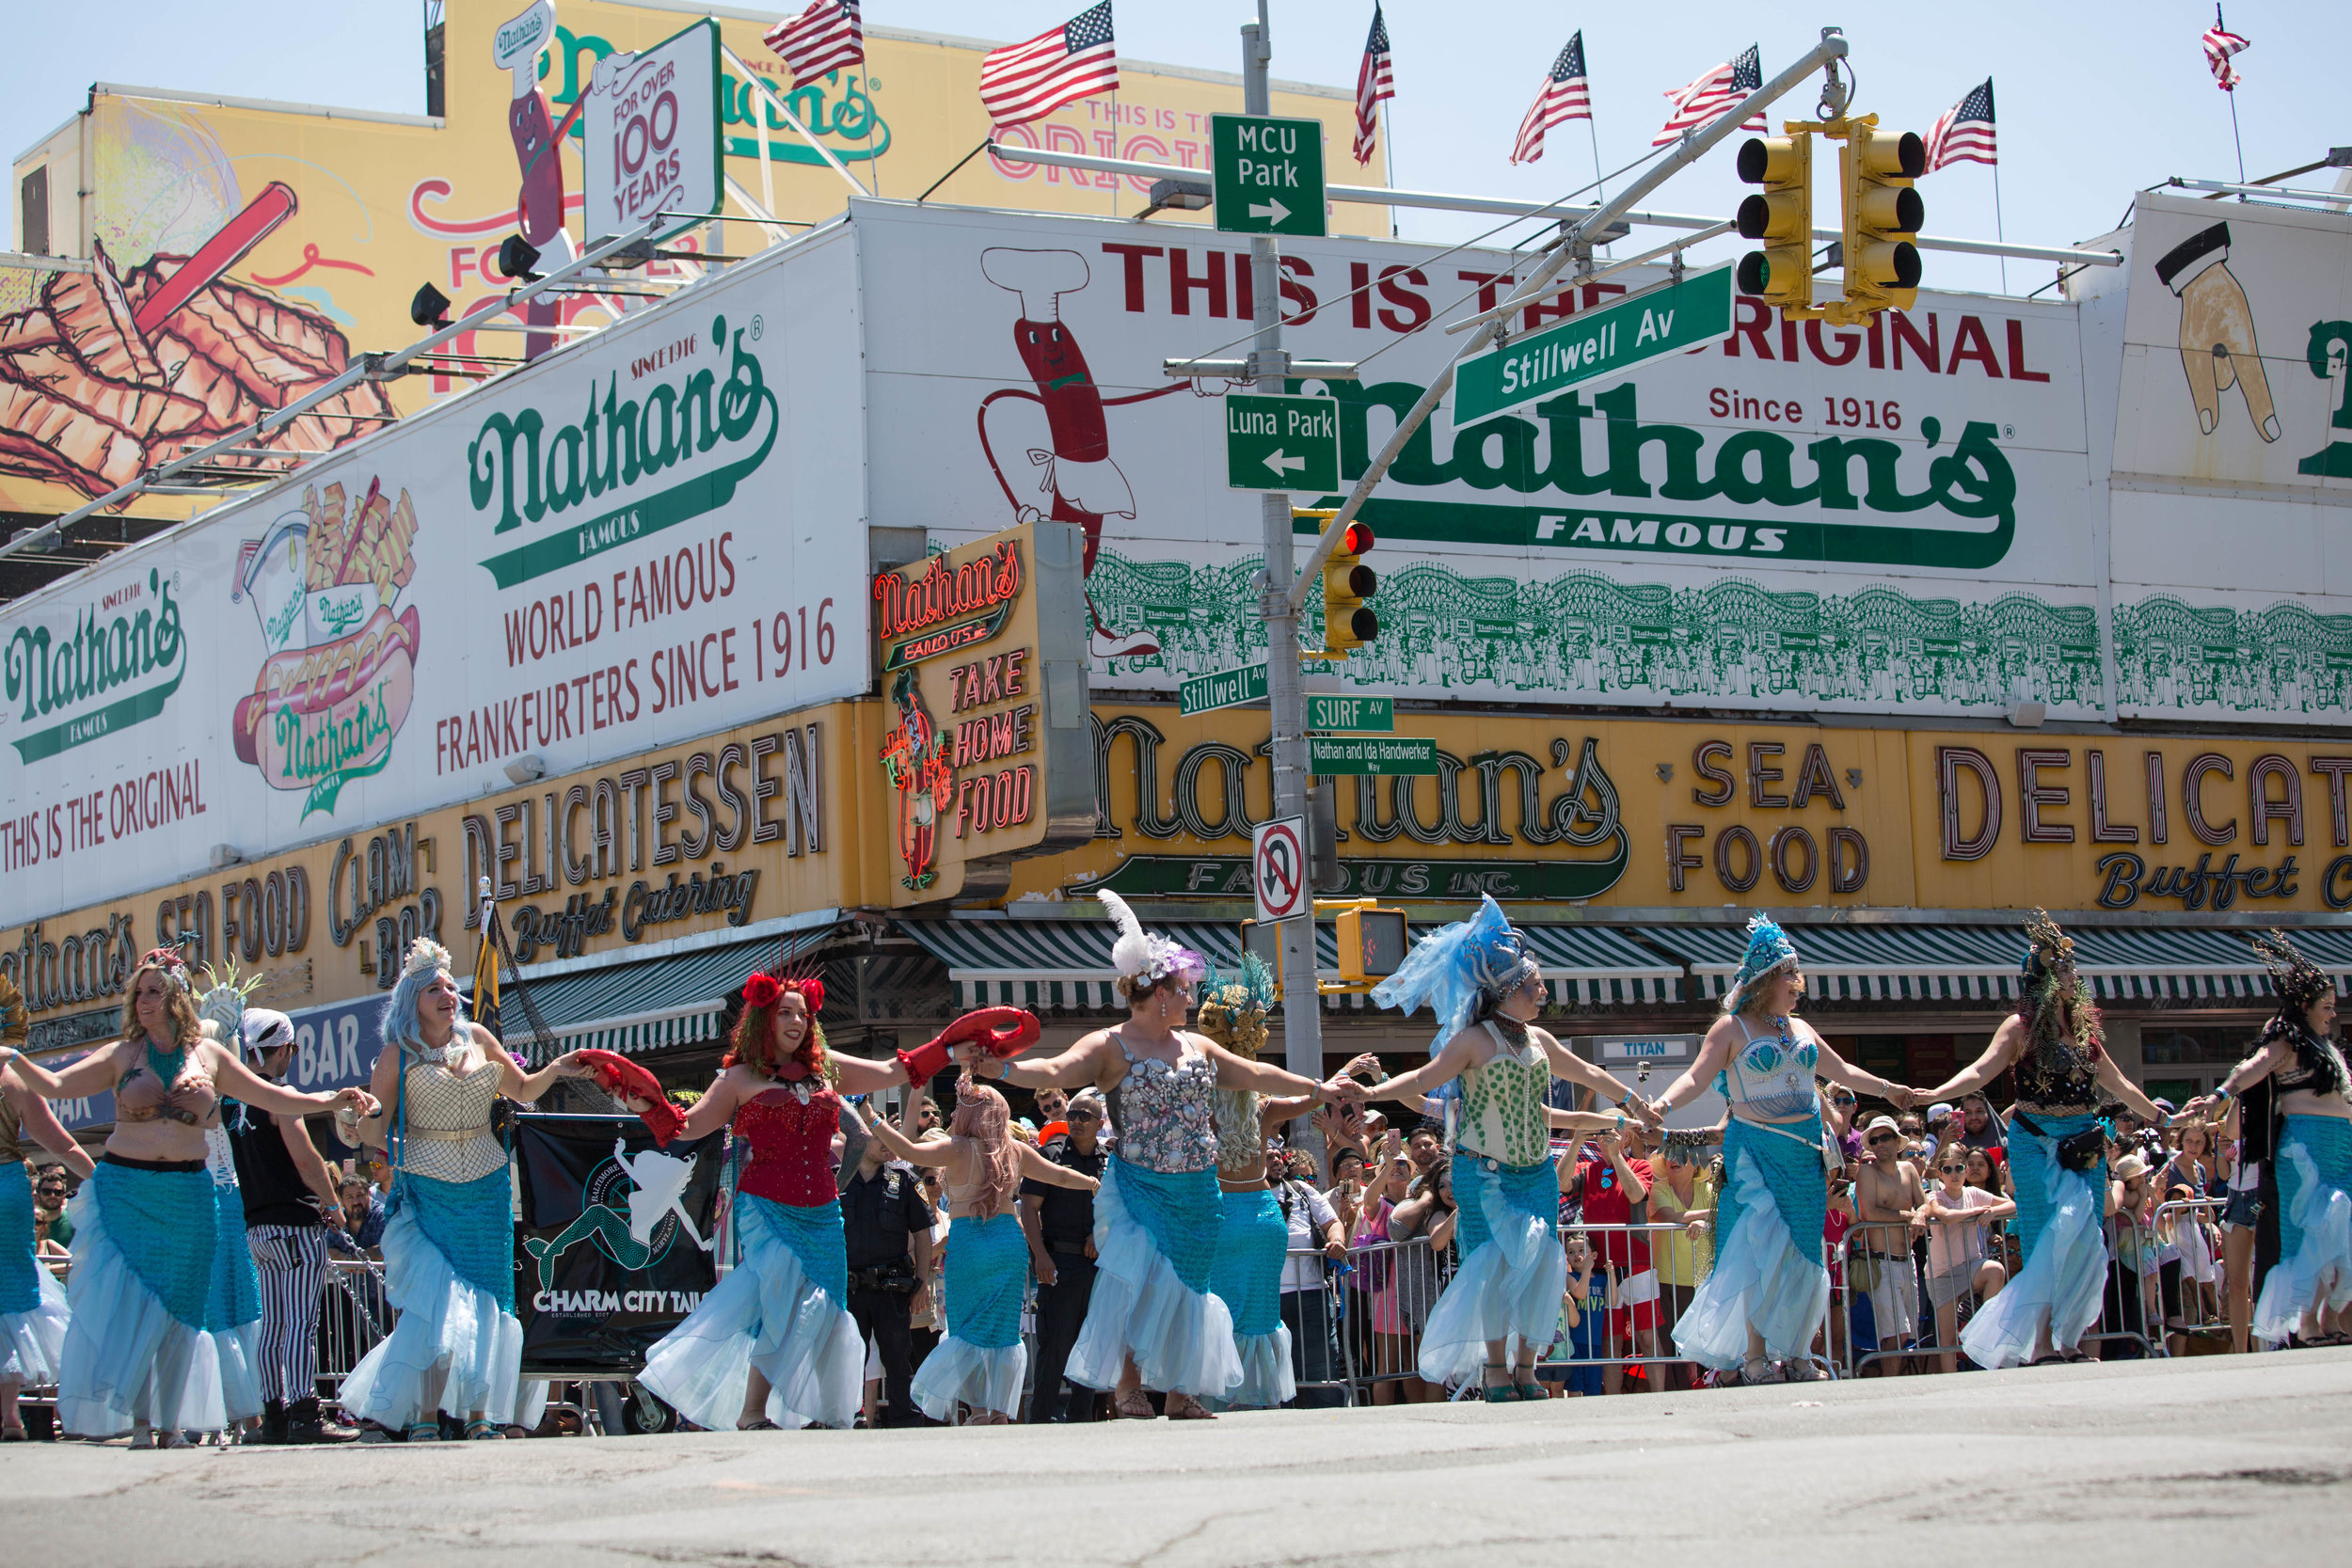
pixel 449 1271
pixel 2314 1267
pixel 981 1360
pixel 145 1341
pixel 2061 1234
pixel 1513 1275
pixel 1252 1244
pixel 1156 1235
pixel 1768 1275
pixel 32 1303
pixel 783 1309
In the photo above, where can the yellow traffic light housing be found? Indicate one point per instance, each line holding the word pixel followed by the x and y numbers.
pixel 1883 217
pixel 1348 622
pixel 1781 215
pixel 1372 942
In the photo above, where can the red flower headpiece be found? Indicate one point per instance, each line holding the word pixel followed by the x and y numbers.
pixel 761 991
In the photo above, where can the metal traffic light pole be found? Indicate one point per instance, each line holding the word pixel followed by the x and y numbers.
pixel 1570 248
pixel 1302 1007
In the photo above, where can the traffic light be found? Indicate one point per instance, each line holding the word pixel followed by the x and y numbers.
pixel 1883 215
pixel 1372 943
pixel 1348 622
pixel 1781 215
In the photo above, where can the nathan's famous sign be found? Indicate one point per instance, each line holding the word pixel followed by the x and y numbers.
pixel 987 757
pixel 578 562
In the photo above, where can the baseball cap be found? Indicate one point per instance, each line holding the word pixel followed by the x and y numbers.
pixel 262 1030
pixel 1938 1110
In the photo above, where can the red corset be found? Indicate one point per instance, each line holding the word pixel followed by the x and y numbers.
pixel 791 1159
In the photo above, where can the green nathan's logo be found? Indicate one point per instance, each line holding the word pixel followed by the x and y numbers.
pixel 117 668
pixel 530 468
pixel 1592 452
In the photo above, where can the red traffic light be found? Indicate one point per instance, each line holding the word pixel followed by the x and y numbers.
pixel 1356 540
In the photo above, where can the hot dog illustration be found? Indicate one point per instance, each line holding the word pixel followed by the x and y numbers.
pixel 1085 485
pixel 539 204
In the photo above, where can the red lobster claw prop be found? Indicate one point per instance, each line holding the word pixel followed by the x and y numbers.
pixel 618 1075
pixel 1006 1031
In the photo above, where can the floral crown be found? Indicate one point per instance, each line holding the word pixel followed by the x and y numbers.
pixel 2047 949
pixel 2298 981
pixel 427 957
pixel 174 966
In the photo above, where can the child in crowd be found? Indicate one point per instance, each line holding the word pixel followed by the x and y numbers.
pixel 1583 1313
pixel 1957 1260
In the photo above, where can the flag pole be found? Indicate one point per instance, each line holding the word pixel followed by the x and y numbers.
pixel 1600 180
pixel 1387 139
pixel 2220 27
pixel 1999 233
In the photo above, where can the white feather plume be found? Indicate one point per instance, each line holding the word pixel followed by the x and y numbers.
pixel 1131 954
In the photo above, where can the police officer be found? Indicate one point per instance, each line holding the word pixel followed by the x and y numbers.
pixel 1060 1222
pixel 888 1230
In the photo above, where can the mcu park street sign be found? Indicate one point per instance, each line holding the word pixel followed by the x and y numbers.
pixel 1276 441
pixel 1590 344
pixel 1267 174
pixel 1327 754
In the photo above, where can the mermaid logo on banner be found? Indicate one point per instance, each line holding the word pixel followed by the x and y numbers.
pixel 618 1239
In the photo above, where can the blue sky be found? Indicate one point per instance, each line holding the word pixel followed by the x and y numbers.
pixel 2095 99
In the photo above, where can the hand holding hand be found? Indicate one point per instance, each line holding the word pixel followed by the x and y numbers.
pixel 1344 1090
pixel 354 1103
pixel 1368 1065
pixel 1645 1111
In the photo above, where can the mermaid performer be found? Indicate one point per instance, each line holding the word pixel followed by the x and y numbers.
pixel 148 1350
pixel 1253 1238
pixel 32 1303
pixel 1501 1308
pixel 2057 1158
pixel 1152 1321
pixel 448 1245
pixel 1767 1295
pixel 2311 1135
pixel 982 1361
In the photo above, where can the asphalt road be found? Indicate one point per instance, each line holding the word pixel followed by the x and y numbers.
pixel 2219 1463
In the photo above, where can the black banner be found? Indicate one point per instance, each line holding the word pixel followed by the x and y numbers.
pixel 618 1243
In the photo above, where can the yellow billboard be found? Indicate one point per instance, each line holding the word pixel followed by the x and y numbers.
pixel 239 253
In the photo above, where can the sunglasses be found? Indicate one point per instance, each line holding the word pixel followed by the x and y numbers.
pixel 1842 1100
pixel 1884 1138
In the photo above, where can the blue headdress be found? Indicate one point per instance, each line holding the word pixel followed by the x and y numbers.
pixel 1769 952
pixel 1460 971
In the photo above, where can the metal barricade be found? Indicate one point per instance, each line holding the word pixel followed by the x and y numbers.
pixel 2192 1284
pixel 1645 1276
pixel 354 1316
pixel 1384 1290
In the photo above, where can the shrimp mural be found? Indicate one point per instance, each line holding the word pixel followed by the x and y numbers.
pixel 1085 485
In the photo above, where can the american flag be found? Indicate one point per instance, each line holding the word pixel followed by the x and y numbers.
pixel 1716 93
pixel 1023 82
pixel 824 38
pixel 2219 45
pixel 1374 81
pixel 1965 135
pixel 1564 96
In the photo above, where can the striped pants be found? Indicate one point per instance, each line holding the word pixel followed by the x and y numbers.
pixel 291 1263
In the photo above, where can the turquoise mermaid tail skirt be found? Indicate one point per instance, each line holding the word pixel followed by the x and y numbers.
pixel 1513 1275
pixel 2061 1235
pixel 783 1309
pixel 1156 1239
pixel 1252 1244
pixel 449 1271
pixel 33 1313
pixel 2314 1267
pixel 233 1308
pixel 1768 1275
pixel 145 1341
pixel 981 1360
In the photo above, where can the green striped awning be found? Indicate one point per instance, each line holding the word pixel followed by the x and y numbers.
pixel 1865 963
pixel 637 1007
pixel 2329 947
pixel 1058 965
pixel 2175 962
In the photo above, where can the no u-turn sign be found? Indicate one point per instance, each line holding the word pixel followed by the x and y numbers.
pixel 1278 863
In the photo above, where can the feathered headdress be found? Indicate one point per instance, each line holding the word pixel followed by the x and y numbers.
pixel 2298 981
pixel 1460 970
pixel 1770 951
pixel 1233 1009
pixel 1144 957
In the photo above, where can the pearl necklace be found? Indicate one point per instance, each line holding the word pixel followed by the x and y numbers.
pixel 441 1056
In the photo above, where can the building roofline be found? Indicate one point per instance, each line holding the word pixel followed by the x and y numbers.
pixel 323 111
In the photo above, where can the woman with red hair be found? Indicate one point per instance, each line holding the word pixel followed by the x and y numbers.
pixel 982 1361
pixel 774 1345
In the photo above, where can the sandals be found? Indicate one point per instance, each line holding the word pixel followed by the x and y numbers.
pixel 1505 1392
pixel 757 1423
pixel 12 1432
pixel 1191 1410
pixel 481 1430
pixel 1132 1405
pixel 146 1436
pixel 422 1432
pixel 1756 1371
